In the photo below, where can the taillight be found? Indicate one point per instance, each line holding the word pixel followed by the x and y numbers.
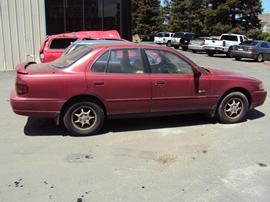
pixel 250 49
pixel 21 89
pixel 202 43
pixel 224 43
pixel 233 48
pixel 189 43
pixel 163 39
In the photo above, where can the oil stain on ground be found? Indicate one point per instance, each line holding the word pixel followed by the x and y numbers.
pixel 166 159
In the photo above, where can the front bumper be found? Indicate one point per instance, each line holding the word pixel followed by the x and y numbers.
pixel 258 98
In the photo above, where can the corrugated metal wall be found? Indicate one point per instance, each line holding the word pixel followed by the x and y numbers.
pixel 22 31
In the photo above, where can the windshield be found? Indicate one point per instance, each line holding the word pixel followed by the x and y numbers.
pixel 178 34
pixel 69 59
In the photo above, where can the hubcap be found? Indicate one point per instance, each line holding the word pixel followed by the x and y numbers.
pixel 83 118
pixel 233 108
pixel 259 57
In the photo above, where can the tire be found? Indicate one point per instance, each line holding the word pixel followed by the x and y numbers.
pixel 229 53
pixel 184 48
pixel 84 118
pixel 169 44
pixel 194 51
pixel 259 57
pixel 233 108
pixel 210 53
pixel 237 58
pixel 176 47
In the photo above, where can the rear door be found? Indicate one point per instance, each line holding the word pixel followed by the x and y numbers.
pixel 174 86
pixel 118 78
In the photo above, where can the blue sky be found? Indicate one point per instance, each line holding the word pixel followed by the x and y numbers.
pixel 266 6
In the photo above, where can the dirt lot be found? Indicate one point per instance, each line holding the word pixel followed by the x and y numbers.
pixel 178 158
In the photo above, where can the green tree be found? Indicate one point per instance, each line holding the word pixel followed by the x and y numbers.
pixel 215 17
pixel 146 18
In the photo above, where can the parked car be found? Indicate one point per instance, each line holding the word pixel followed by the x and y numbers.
pixel 163 38
pixel 111 80
pixel 224 45
pixel 184 41
pixel 54 45
pixel 77 44
pixel 176 39
pixel 258 50
pixel 197 44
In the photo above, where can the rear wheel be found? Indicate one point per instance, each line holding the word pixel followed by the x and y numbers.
pixel 259 57
pixel 210 53
pixel 169 44
pixel 84 118
pixel 229 53
pixel 176 47
pixel 233 108
pixel 184 48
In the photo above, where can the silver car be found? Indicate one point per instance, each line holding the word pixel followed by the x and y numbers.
pixel 258 50
pixel 197 44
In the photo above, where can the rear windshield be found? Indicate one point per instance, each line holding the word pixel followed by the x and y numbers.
pixel 61 43
pixel 160 34
pixel 254 43
pixel 178 34
pixel 69 59
pixel 229 38
pixel 248 42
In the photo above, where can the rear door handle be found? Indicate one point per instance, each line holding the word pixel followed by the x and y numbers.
pixel 160 83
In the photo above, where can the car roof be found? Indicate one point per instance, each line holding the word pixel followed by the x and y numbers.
pixel 98 41
pixel 127 45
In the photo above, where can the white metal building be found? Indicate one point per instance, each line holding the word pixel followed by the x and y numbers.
pixel 22 31
pixel 24 24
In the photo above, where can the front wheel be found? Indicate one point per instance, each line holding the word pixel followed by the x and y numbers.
pixel 176 47
pixel 233 108
pixel 84 118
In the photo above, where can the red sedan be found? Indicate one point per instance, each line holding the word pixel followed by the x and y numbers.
pixel 102 81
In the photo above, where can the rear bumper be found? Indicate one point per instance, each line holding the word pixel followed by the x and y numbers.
pixel 38 108
pixel 199 48
pixel 244 54
pixel 216 49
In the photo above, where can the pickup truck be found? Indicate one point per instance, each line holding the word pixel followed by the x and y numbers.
pixel 224 45
pixel 164 38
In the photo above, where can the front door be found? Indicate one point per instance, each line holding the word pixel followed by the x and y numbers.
pixel 174 85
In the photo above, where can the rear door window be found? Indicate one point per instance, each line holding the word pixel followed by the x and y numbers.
pixel 123 61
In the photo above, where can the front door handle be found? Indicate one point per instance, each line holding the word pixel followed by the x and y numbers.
pixel 98 83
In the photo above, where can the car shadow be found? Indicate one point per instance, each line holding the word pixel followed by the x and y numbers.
pixel 247 60
pixel 47 126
